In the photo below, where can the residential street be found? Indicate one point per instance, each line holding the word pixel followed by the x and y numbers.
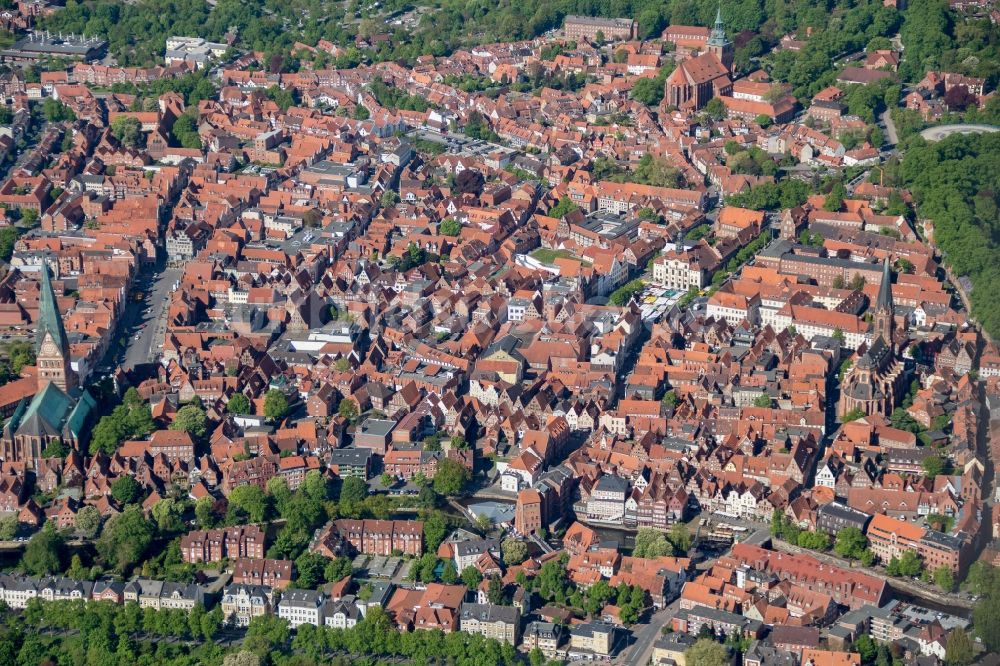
pixel 641 649
pixel 891 136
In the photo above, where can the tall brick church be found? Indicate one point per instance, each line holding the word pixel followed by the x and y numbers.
pixel 699 79
pixel 59 410
pixel 874 383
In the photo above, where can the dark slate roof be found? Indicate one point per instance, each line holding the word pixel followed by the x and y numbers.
pixel 884 300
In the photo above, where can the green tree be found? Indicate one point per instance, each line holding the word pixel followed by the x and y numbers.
pixel 281 495
pixel 680 538
pixel 933 466
pixel 128 130
pixel 8 527
pixel 834 201
pixel 211 622
pixel 56 448
pixel 310 570
pixel 192 420
pixel 813 540
pixel 251 500
pixel 266 633
pixel 169 516
pixel 125 538
pixel 648 90
pixel 494 591
pixel 55 111
pixel 348 410
pixel 471 577
pixel 706 652
pixel 435 530
pixel 316 486
pixel 981 579
pixel 852 415
pixel 20 354
pixel 944 578
pixel 959 650
pixel 45 553
pixel 867 648
pixel 185 131
pixel 204 514
pixel 624 294
pixel 389 199
pixel 763 400
pixel 670 398
pixel 483 523
pixel 908 564
pixel 126 489
pixel 715 109
pixel 241 658
pixel 449 575
pixel 88 521
pixel 450 227
pixel 563 208
pixel 8 236
pixel 451 478
pixel 851 543
pixel 238 404
pixel 651 543
pixel 338 569
pixel 126 421
pixel 275 405
pixel 514 551
pixel 353 489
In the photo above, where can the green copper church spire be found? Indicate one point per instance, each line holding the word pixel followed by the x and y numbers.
pixel 718 35
pixel 49 319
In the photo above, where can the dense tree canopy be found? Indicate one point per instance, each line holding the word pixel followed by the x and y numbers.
pixel 45 552
pixel 955 183
pixel 130 420
pixel 238 404
pixel 275 405
pixel 125 538
pixel 451 477
pixel 192 420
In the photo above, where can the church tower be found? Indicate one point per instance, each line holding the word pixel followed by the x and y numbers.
pixel 719 44
pixel 884 314
pixel 51 343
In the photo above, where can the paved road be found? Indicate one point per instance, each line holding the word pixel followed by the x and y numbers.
pixel 153 315
pixel 641 650
pixel 145 319
pixel 941 131
pixel 890 128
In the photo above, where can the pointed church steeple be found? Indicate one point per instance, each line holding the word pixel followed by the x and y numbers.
pixel 884 314
pixel 51 343
pixel 718 42
pixel 49 318
pixel 719 28
pixel 884 300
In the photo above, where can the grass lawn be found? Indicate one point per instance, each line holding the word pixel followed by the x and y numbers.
pixel 548 256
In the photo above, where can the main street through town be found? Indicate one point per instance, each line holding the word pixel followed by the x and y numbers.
pixel 140 334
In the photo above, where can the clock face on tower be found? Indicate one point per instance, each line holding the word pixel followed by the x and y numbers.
pixel 49 349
